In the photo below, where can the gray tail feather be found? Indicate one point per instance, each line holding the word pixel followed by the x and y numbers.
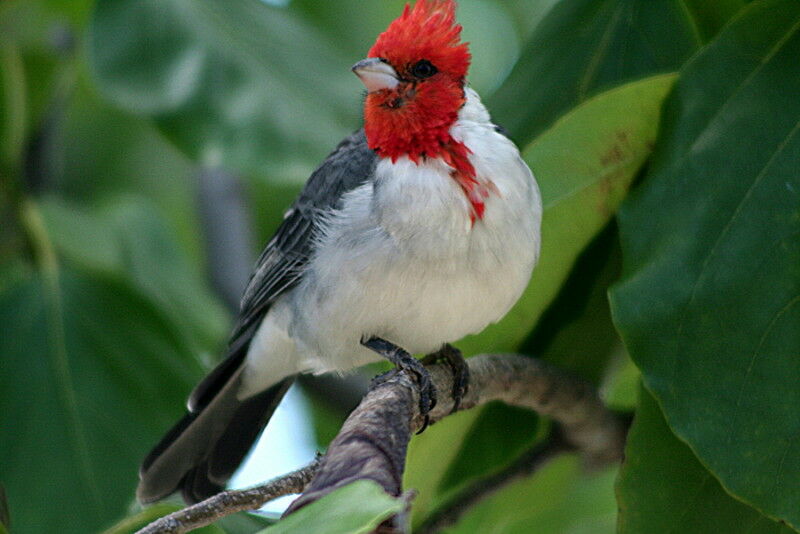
pixel 201 452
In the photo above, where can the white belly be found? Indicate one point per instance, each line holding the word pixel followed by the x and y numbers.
pixel 401 260
pixel 404 262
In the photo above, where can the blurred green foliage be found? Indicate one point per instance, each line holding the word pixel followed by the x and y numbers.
pixel 110 108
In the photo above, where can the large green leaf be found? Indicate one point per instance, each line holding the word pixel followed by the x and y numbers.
pixel 584 165
pixel 556 500
pixel 90 375
pixel 663 488
pixel 354 509
pixel 495 439
pixel 129 238
pixel 709 302
pixel 13 103
pixel 243 84
pixel 96 170
pixel 442 442
pixel 712 16
pixel 584 46
pixel 35 64
pixel 576 332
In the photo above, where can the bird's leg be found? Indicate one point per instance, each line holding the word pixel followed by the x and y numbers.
pixel 403 360
pixel 452 357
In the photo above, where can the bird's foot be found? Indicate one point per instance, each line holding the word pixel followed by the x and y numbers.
pixel 458 366
pixel 404 361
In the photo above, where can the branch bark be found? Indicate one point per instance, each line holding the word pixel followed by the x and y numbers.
pixel 229 502
pixel 373 440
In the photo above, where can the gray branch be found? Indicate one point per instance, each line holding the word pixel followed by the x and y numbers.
pixel 372 443
pixel 232 501
pixel 373 440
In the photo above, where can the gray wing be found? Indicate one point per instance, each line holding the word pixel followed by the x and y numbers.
pixel 282 262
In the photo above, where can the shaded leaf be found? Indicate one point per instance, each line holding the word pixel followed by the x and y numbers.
pixel 576 331
pixel 498 436
pixel 708 305
pixel 13 103
pixel 356 508
pixel 584 165
pixel 5 515
pixel 663 488
pixel 442 441
pixel 96 170
pixel 129 238
pixel 710 17
pixel 584 46
pixel 236 85
pixel 244 523
pixel 90 376
pixel 557 499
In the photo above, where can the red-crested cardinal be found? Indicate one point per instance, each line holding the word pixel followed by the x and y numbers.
pixel 416 231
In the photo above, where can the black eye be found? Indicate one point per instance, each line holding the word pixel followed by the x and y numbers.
pixel 423 69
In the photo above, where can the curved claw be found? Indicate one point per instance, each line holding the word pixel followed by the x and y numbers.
pixel 458 366
pixel 403 360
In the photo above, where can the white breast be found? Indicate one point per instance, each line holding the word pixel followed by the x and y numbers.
pixel 402 259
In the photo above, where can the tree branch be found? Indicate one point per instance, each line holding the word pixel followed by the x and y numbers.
pixel 232 501
pixel 373 441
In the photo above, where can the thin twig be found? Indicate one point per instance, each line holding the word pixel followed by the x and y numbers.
pixel 232 501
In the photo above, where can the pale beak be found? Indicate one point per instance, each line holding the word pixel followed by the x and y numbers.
pixel 376 74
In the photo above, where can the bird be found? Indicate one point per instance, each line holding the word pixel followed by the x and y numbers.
pixel 417 230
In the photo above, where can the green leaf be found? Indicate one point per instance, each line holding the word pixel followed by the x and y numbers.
pixel 620 387
pixel 356 508
pixel 584 46
pixel 710 17
pixel 128 237
pixel 442 442
pixel 13 103
pixel 584 165
pixel 495 439
pixel 237 84
pixel 5 515
pixel 708 305
pixel 244 523
pixel 663 488
pixel 96 170
pixel 90 376
pixel 576 332
pixel 556 500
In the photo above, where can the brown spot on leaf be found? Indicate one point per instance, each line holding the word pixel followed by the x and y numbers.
pixel 616 154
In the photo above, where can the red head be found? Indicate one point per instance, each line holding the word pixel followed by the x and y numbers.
pixel 415 81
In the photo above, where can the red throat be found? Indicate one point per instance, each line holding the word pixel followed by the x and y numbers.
pixel 414 119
